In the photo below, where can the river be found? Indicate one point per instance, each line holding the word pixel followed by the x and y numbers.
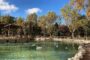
pixel 37 51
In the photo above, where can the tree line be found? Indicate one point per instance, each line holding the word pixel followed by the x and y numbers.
pixel 76 24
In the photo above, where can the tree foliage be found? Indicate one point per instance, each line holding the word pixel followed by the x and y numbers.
pixel 32 18
pixel 42 21
pixel 51 17
pixel 20 21
pixel 7 19
pixel 71 15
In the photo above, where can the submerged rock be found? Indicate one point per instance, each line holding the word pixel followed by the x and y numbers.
pixel 38 48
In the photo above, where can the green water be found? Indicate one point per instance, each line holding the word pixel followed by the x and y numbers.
pixel 30 51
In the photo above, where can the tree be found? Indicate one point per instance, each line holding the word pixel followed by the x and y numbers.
pixel 19 21
pixel 42 22
pixel 7 19
pixel 88 13
pixel 82 5
pixel 73 17
pixel 46 22
pixel 77 4
pixel 55 29
pixel 32 18
pixel 51 18
pixel 50 29
pixel 88 29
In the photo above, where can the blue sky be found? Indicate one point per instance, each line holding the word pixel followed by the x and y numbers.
pixel 24 7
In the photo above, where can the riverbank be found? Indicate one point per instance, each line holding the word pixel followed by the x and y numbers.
pixel 83 53
pixel 66 40
pixel 28 39
pixel 79 54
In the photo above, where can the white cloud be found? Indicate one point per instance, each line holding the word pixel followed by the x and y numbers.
pixel 1 0
pixel 5 6
pixel 33 10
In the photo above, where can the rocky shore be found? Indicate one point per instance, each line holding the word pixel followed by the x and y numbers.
pixel 83 53
pixel 79 54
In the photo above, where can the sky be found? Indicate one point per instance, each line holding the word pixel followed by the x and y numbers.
pixel 24 7
pixel 21 8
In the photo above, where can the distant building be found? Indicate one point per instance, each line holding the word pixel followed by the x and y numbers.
pixel 8 29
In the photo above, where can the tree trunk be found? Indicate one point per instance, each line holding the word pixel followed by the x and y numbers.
pixel 8 32
pixel 79 36
pixel 86 34
pixel 72 35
